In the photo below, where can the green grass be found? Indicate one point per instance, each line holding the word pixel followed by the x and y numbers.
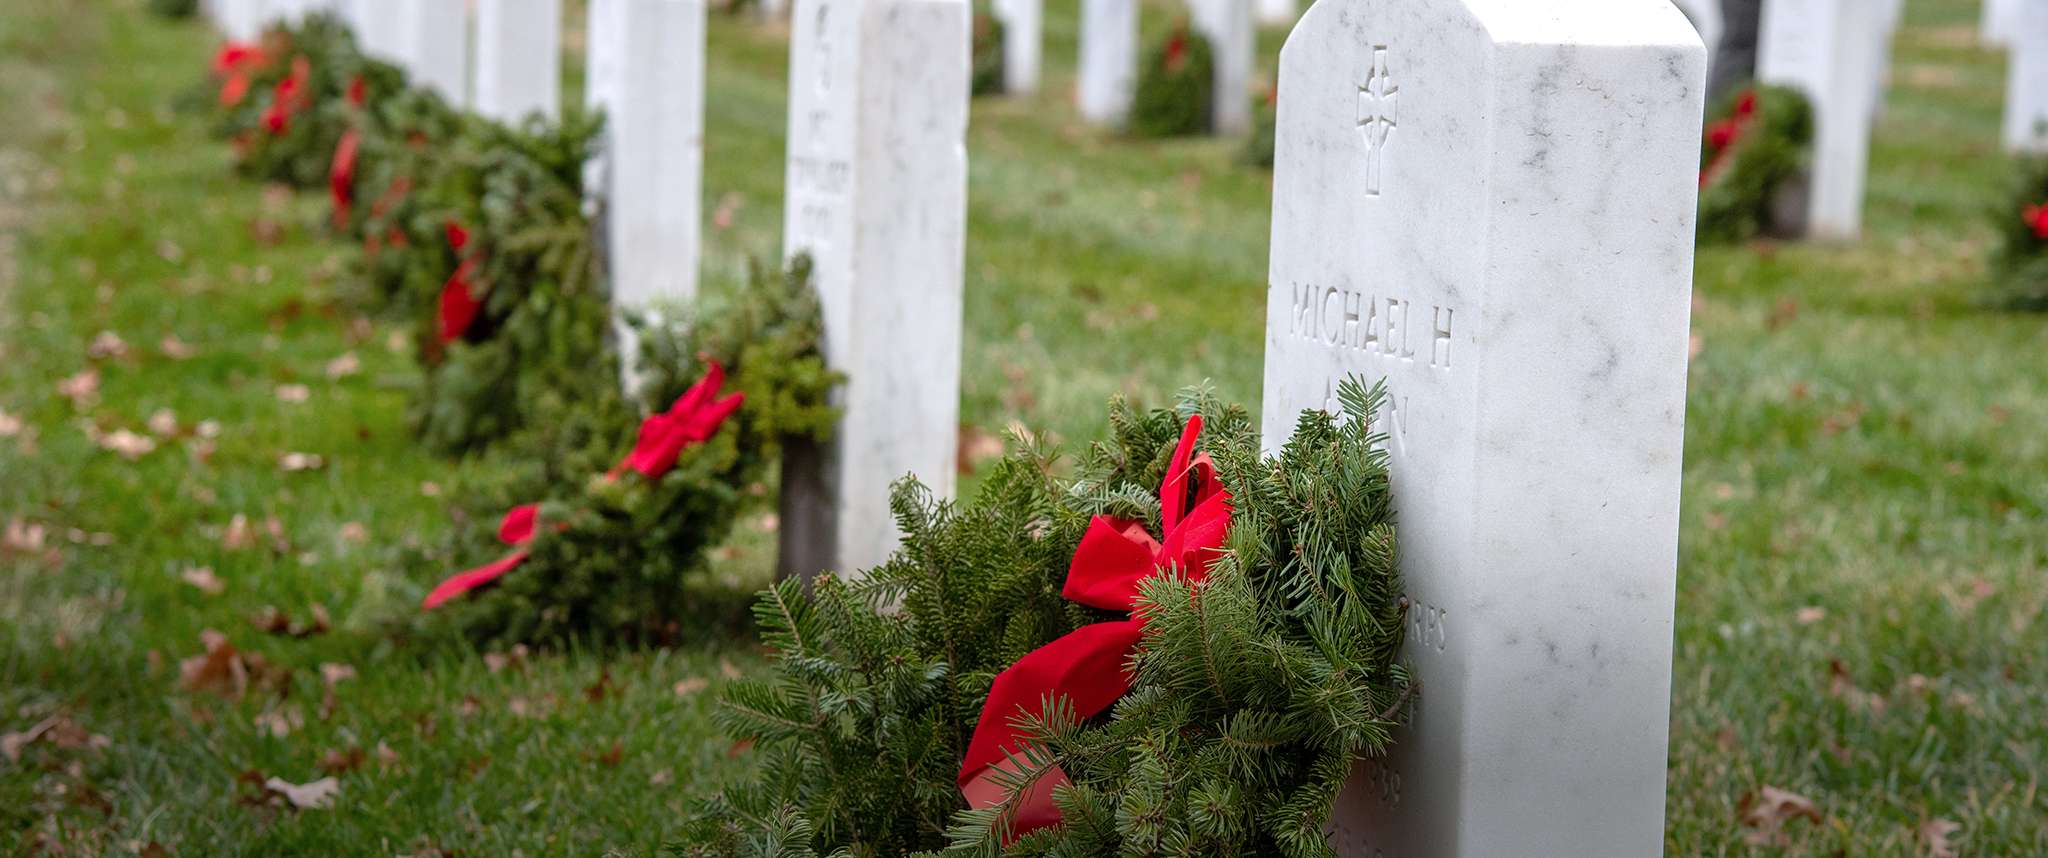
pixel 1864 439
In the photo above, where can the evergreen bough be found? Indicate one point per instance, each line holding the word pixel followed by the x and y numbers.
pixel 1257 689
pixel 1175 84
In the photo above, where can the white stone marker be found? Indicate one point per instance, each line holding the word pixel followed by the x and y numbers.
pixel 377 24
pixel 1706 18
pixel 1227 24
pixel 774 10
pixel 2026 85
pixel 2001 18
pixel 1108 63
pixel 240 20
pixel 654 178
pixel 1828 49
pixel 1277 12
pixel 876 193
pixel 1022 41
pixel 432 40
pixel 1489 205
pixel 518 58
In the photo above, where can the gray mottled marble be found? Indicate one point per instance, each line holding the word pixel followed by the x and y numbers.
pixel 876 193
pixel 1489 205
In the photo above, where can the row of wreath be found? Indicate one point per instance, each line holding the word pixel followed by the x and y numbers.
pixel 1172 643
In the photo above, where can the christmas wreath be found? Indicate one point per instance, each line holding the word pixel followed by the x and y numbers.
pixel 1185 648
pixel 288 99
pixel 607 553
pixel 1259 147
pixel 1757 143
pixel 2021 268
pixel 1175 86
pixel 987 52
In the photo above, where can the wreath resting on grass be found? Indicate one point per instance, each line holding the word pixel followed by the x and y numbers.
pixel 1758 142
pixel 2021 267
pixel 1175 86
pixel 988 55
pixel 969 697
pixel 595 547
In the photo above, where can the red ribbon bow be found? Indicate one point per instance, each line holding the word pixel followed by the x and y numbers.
pixel 2036 217
pixel 1722 134
pixel 1087 666
pixel 695 417
pixel 341 176
pixel 233 64
pixel 289 97
pixel 459 304
pixel 358 92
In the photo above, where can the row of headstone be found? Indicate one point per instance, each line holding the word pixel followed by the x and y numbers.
pixel 1836 52
pixel 1510 251
pixel 2026 86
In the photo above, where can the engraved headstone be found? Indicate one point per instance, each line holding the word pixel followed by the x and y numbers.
pixel 377 29
pixel 655 152
pixel 1022 41
pixel 1108 64
pixel 876 193
pixel 1829 49
pixel 518 58
pixel 2026 85
pixel 1227 24
pixel 1489 206
pixel 432 40
pixel 1706 18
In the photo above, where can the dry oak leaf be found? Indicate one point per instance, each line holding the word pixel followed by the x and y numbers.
pixel 106 344
pixel 56 730
pixel 314 795
pixel 1769 809
pixel 341 762
pixel 293 393
pixel 128 445
pixel 1935 834
pixel 227 671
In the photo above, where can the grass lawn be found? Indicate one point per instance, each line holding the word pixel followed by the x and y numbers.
pixel 1863 570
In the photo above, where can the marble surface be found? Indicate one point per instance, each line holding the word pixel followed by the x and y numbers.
pixel 518 58
pixel 2026 83
pixel 1228 26
pixel 2001 18
pixel 1831 50
pixel 1708 21
pixel 1490 205
pixel 655 150
pixel 876 192
pixel 1023 39
pixel 1107 68
pixel 1277 12
pixel 433 44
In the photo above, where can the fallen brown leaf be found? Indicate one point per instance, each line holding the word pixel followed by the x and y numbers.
pixel 315 795
pixel 226 671
pixel 56 731
pixel 597 691
pixel 175 349
pixel 128 445
pixel 344 366
pixel 1811 614
pixel 1767 811
pixel 293 393
pixel 203 578
pixel 1842 687
pixel 514 658
pixel 691 685
pixel 386 757
pixel 336 762
pixel 292 463
pixel 10 425
pixel 281 721
pixel 353 531
pixel 105 345
pixel 23 537
pixel 164 422
pixel 82 389
pixel 1935 834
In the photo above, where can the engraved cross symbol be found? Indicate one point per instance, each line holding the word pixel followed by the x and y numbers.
pixel 1377 101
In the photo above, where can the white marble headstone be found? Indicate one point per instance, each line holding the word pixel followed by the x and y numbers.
pixel 1277 11
pixel 2026 85
pixel 2001 18
pixel 240 20
pixel 1227 24
pixel 876 193
pixel 1022 43
pixel 1706 18
pixel 1830 50
pixel 1489 205
pixel 518 58
pixel 655 143
pixel 1108 64
pixel 378 26
pixel 432 39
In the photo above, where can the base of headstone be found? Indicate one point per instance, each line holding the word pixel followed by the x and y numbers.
pixel 806 536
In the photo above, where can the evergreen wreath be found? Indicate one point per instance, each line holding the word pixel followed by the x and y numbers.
pixel 287 100
pixel 988 55
pixel 613 549
pixel 1256 688
pixel 1175 86
pixel 2021 266
pixel 1260 146
pixel 1757 143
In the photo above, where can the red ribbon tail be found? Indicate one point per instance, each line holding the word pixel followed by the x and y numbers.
pixel 1036 809
pixel 465 582
pixel 519 524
